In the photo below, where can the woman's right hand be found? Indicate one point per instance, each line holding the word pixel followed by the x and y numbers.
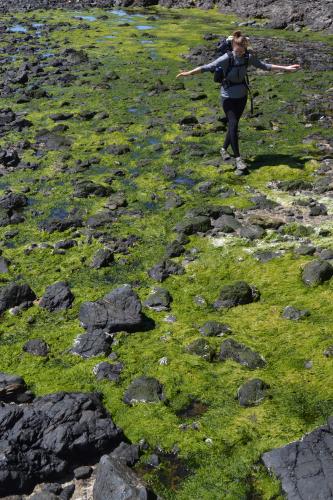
pixel 293 67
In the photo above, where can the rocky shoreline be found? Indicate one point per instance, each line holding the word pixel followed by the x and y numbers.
pixel 316 15
pixel 164 323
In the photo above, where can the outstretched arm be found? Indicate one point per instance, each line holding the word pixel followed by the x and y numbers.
pixel 292 67
pixel 222 60
pixel 268 67
pixel 191 72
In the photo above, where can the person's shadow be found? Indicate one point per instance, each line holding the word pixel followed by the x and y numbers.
pixel 271 160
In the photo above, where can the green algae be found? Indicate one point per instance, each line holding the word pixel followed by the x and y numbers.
pixel 223 453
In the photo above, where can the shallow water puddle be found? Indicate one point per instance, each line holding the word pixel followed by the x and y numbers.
pixel 85 18
pixel 144 27
pixel 195 408
pixel 18 28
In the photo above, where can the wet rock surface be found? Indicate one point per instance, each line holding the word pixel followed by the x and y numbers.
pixel 57 297
pixel 304 466
pixel 281 12
pixel 118 310
pixel 115 480
pixel 63 427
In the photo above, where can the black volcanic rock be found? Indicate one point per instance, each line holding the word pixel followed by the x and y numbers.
pixel 57 297
pixel 45 439
pixel 118 310
pixel 14 295
pixel 304 467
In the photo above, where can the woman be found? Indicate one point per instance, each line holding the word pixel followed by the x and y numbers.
pixel 234 89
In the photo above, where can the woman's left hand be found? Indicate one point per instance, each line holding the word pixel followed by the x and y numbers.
pixel 293 67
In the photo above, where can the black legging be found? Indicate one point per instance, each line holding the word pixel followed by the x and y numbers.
pixel 233 109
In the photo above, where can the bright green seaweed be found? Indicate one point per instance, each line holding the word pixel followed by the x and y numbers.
pixel 227 465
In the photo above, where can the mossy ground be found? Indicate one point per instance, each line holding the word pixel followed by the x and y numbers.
pixel 228 466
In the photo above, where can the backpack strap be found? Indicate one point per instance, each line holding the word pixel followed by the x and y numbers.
pixel 231 63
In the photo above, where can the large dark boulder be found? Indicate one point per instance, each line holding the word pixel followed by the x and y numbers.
pixel 58 224
pixel 57 297
pixel 108 371
pixel 305 467
pixel 227 223
pixel 13 389
pixel 36 347
pixel 11 201
pixel 118 310
pixel 236 294
pixel 91 344
pixel 194 225
pixel 116 481
pixel 85 188
pixel 317 272
pixel 14 295
pixel 51 436
pixel 230 349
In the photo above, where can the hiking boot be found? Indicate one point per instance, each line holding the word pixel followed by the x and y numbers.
pixel 225 155
pixel 240 164
pixel 241 172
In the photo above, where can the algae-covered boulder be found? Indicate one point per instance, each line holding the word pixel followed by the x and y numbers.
pixel 58 224
pixel 201 348
pixel 213 211
pixel 317 272
pixel 159 300
pixel 214 329
pixel 174 249
pixel 252 392
pixel 295 314
pixel 230 349
pixel 102 258
pixel 84 188
pixel 294 185
pixel 144 390
pixel 236 294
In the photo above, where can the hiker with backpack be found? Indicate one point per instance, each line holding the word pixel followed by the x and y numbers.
pixel 230 70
